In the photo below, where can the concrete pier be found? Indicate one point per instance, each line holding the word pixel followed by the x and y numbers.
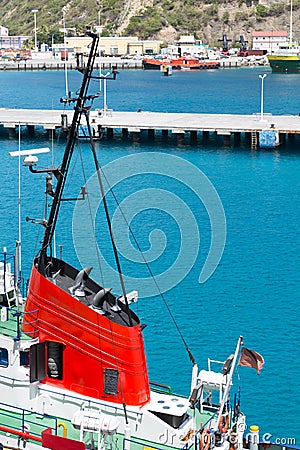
pixel 182 125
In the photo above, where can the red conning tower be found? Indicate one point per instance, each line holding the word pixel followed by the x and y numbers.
pixel 101 356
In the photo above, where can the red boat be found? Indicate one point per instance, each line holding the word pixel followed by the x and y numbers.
pixel 82 328
pixel 72 357
pixel 182 63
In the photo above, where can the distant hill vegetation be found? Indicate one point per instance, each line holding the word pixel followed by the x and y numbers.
pixel 165 20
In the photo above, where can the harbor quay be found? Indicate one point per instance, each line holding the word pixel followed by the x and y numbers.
pixel 184 126
pixel 108 63
pixel 56 64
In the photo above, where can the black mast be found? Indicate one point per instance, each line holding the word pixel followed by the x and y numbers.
pixel 61 173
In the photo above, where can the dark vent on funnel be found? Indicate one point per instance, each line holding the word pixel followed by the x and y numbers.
pixel 111 377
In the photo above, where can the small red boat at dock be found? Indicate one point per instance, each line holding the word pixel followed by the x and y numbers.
pixel 179 63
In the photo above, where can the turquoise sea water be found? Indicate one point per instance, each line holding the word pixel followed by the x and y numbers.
pixel 253 292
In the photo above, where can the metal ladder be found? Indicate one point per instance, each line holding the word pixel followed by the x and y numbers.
pixel 253 140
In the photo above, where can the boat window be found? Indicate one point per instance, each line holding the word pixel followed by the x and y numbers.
pixel 55 360
pixel 11 294
pixel 3 357
pixel 24 357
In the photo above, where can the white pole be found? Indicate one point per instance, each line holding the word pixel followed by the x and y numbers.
pixel 19 213
pixel 291 23
pixel 54 244
pixel 262 77
pixel 229 378
pixel 100 64
pixel 35 30
pixel 104 97
pixel 65 48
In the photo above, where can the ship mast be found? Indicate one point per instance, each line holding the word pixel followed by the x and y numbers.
pixel 61 173
pixel 291 22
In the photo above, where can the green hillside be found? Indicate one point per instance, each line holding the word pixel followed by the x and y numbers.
pixel 166 20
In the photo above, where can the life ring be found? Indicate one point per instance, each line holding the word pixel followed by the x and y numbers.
pixel 223 424
pixel 205 439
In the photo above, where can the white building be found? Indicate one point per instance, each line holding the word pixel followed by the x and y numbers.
pixel 268 40
pixel 3 31
pixel 187 45
pixel 11 42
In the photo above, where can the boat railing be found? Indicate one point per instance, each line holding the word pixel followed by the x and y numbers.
pixel 30 321
pixel 15 380
pixel 25 423
pixel 194 445
pixel 138 444
pixel 258 115
pixel 92 404
pixel 10 324
pixel 141 444
pixel 159 387
pixel 6 262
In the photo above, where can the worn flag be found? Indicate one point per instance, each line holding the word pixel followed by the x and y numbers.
pixel 250 358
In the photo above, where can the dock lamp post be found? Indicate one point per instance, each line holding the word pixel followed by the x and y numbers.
pixel 35 35
pixel 104 77
pixel 262 77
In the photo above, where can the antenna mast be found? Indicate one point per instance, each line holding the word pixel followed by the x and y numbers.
pixel 61 173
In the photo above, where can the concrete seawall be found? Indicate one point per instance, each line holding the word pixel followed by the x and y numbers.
pixel 109 62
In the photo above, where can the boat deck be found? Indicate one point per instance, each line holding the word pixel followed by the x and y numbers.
pixel 119 316
pixel 112 307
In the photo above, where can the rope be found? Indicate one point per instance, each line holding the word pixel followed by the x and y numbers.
pixel 98 170
pixel 192 359
pixel 92 222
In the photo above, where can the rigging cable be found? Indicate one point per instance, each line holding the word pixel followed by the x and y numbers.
pixel 192 359
pixel 98 170
pixel 92 222
pixel 73 132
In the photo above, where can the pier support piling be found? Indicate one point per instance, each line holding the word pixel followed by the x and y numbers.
pixel 151 134
pixel 194 137
pixel 237 138
pixel 30 129
pixel 12 133
pixel 180 138
pixel 109 133
pixel 136 136
pixel 226 140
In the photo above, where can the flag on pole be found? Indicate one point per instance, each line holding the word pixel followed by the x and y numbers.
pixel 250 358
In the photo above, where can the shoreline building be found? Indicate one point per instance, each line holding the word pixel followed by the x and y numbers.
pixel 268 40
pixel 11 42
pixel 110 46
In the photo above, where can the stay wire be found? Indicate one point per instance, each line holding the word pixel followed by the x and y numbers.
pixel 91 219
pixel 117 260
pixel 192 359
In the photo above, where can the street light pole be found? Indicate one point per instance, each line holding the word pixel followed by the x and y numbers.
pixel 104 93
pixel 262 77
pixel 65 50
pixel 35 33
